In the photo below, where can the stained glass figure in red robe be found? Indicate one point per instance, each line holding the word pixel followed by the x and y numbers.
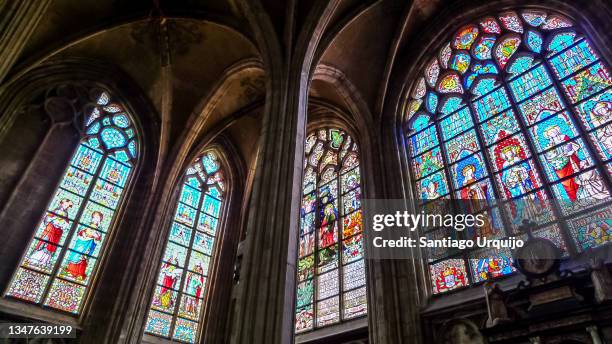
pixel 55 225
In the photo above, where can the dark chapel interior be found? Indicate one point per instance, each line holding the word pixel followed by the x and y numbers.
pixel 192 171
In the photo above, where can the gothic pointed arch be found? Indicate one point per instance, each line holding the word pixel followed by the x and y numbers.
pixel 189 268
pixel 59 266
pixel 515 105
pixel 331 276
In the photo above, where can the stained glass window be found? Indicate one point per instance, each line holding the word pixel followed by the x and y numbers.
pixel 331 268
pixel 180 288
pixel 518 106
pixel 64 254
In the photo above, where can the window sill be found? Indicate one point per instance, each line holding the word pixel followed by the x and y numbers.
pixel 36 313
pixel 325 334
pixel 151 339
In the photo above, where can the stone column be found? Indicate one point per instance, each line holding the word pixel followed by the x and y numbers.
pixel 265 295
pixel 18 20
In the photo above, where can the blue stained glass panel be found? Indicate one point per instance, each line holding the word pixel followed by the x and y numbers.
pixel 480 69
pixel 573 59
pixel 462 146
pixel 185 214
pixel 427 163
pixel 115 172
pixel 483 86
pixel 424 140
pixel 432 187
pixel 185 330
pixel 121 120
pixel 602 138
pixel 94 129
pixel 596 110
pixel 491 104
pixel 520 64
pixel 564 160
pixel 499 127
pixel 203 243
pixel 86 159
pixel 553 131
pixel 121 155
pixel 468 171
pixel 211 206
pixel 432 102
pixel 211 165
pixel 561 41
pixel 215 192
pixel 456 123
pixel 193 182
pixel 534 41
pixel 158 323
pixel 180 234
pixel 132 148
pixel 530 83
pixel 541 106
pixel 419 122
pixel 351 201
pixel 450 104
pixel 190 196
pixel 590 81
pixel 113 138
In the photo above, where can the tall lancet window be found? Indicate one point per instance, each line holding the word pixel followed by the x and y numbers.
pixel 60 263
pixel 517 105
pixel 180 289
pixel 331 269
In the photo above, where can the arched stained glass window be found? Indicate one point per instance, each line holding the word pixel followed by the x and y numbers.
pixel 331 269
pixel 180 288
pixel 63 256
pixel 516 105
